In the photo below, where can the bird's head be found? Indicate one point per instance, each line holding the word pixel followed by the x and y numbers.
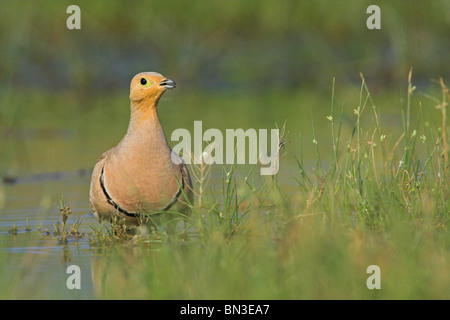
pixel 149 86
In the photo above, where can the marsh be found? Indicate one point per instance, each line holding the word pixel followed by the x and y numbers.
pixel 363 168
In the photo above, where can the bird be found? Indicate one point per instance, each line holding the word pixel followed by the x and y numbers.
pixel 141 180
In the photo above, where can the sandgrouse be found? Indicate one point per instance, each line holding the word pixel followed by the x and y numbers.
pixel 141 176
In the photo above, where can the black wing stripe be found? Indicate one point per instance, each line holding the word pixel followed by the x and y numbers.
pixel 133 214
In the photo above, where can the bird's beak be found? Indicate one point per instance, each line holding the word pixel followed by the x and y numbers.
pixel 168 84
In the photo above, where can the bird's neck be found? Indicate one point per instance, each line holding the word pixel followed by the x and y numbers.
pixel 145 133
pixel 143 112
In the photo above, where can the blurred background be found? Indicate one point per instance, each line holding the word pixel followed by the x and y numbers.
pixel 218 46
pixel 237 64
pixel 249 64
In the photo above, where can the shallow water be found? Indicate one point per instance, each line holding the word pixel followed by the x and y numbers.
pixel 33 254
pixel 45 167
pixel 28 241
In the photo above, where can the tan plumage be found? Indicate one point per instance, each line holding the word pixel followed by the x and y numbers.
pixel 139 175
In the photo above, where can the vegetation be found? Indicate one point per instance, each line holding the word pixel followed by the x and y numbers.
pixel 375 199
pixel 378 202
pixel 364 172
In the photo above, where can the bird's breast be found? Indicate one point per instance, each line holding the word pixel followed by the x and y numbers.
pixel 141 179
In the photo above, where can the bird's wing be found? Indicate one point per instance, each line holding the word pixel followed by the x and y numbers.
pixel 96 197
pixel 187 189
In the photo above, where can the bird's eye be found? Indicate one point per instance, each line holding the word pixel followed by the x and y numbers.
pixel 143 81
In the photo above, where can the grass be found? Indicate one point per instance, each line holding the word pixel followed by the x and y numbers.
pixel 376 203
pixel 365 190
pixel 377 198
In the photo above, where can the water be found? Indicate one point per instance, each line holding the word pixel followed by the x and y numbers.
pixel 33 254
pixel 46 166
